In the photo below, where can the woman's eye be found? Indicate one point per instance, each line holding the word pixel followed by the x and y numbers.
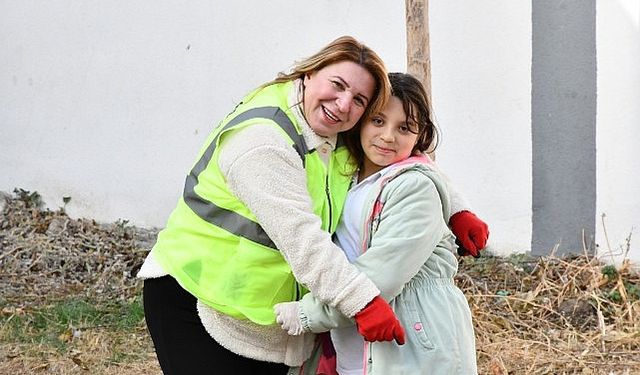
pixel 338 85
pixel 359 102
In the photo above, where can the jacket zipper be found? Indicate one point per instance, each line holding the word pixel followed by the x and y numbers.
pixel 367 358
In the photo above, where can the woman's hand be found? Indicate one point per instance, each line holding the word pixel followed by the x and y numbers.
pixel 378 322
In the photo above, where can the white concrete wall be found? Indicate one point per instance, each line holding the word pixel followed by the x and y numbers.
pixel 481 85
pixel 109 102
pixel 618 130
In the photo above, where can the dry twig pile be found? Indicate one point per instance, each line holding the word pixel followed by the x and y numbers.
pixel 551 315
pixel 47 254
pixel 545 315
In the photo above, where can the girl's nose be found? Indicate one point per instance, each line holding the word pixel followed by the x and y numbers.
pixel 386 134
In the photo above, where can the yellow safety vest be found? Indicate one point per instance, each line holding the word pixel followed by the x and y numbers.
pixel 213 245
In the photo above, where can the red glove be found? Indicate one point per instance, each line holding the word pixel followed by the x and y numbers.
pixel 471 232
pixel 377 322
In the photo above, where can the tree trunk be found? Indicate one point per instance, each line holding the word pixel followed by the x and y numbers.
pixel 418 59
pixel 418 56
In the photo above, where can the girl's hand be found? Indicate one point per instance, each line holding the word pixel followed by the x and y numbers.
pixel 471 232
pixel 288 316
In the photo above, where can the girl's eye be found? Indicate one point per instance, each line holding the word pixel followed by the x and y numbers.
pixel 377 121
pixel 410 127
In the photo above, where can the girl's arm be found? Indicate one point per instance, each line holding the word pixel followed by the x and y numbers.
pixel 412 224
pixel 471 231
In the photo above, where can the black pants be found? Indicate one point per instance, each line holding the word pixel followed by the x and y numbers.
pixel 182 344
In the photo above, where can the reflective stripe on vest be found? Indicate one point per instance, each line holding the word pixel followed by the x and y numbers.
pixel 221 217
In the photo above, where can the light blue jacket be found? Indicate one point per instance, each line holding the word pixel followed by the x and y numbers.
pixel 409 256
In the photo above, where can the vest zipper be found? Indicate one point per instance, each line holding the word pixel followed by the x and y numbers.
pixel 326 189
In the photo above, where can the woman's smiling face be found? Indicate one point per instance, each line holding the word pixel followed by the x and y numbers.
pixel 336 96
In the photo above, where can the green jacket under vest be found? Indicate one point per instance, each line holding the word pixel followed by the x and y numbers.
pixel 213 245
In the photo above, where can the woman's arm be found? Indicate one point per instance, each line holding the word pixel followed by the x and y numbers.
pixel 267 175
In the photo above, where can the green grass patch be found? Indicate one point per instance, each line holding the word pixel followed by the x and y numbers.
pixel 56 323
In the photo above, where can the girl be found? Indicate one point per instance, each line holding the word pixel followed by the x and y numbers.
pixel 394 229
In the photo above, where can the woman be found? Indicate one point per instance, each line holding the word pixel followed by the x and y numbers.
pixel 247 227
pixel 252 227
pixel 394 227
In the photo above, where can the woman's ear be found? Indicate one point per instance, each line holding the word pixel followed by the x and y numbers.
pixel 307 77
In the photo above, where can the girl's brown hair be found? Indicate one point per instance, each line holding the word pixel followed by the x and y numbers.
pixel 416 105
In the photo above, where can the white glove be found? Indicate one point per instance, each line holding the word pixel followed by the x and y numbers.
pixel 288 316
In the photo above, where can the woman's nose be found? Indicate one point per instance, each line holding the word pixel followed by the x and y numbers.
pixel 344 102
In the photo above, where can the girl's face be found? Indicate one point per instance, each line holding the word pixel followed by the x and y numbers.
pixel 387 137
pixel 336 96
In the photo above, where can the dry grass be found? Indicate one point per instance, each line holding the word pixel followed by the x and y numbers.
pixel 70 303
pixel 550 315
pixel 92 353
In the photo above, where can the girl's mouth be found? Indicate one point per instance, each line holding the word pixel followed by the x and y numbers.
pixel 384 150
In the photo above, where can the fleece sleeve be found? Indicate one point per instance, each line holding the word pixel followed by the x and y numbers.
pixel 267 175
